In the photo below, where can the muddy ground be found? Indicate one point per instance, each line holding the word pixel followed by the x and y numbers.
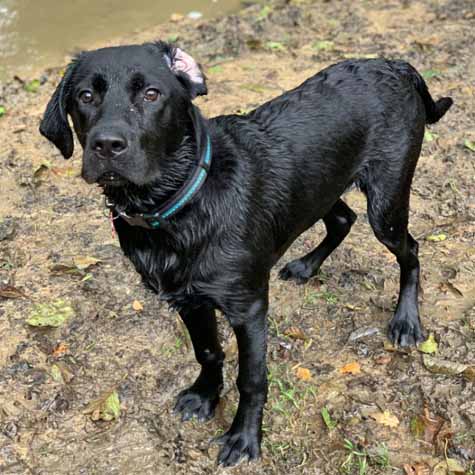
pixel 386 409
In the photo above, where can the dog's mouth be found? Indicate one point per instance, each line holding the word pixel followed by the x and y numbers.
pixel 111 179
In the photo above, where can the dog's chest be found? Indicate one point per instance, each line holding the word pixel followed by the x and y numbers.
pixel 172 273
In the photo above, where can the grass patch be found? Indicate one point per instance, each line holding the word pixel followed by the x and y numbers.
pixel 359 460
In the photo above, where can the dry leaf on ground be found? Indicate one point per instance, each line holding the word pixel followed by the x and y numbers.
pixel 106 407
pixel 385 418
pixel 84 262
pixel 417 468
pixel 304 374
pixel 295 333
pixel 351 368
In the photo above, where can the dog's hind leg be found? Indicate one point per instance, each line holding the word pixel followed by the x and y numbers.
pixel 388 189
pixel 338 223
pixel 201 398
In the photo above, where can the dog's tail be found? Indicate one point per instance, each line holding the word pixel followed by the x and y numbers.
pixel 434 109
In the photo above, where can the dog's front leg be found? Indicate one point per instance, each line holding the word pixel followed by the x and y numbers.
pixel 244 437
pixel 201 398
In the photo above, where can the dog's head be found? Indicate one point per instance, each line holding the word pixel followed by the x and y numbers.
pixel 129 105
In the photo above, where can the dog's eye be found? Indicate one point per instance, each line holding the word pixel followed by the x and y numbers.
pixel 86 97
pixel 151 95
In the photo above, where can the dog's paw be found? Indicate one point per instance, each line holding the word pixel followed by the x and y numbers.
pixel 296 270
pixel 196 403
pixel 405 330
pixel 238 445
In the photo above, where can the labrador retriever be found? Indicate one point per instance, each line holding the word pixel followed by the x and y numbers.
pixel 205 208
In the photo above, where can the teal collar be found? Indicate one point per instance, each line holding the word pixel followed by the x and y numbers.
pixel 159 218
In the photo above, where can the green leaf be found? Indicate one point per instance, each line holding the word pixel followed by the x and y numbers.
pixel 323 45
pixel 436 237
pixel 215 69
pixel 172 38
pixel 3 111
pixel 329 422
pixel 431 73
pixel 264 13
pixel 429 346
pixel 254 88
pixel 449 467
pixel 441 366
pixel 106 408
pixel 430 136
pixel 417 427
pixel 467 143
pixel 275 46
pixel 56 374
pixel 111 408
pixel 32 86
pixel 50 315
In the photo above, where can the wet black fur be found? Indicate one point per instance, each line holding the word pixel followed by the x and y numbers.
pixel 274 173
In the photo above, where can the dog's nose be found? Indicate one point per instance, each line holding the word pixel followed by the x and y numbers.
pixel 109 145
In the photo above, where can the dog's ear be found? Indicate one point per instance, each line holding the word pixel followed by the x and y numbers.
pixel 185 68
pixel 54 125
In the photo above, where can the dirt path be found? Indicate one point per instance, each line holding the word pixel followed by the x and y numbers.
pixel 391 410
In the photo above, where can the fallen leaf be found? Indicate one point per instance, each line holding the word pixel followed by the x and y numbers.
pixel 304 374
pixel 329 422
pixel 65 171
pixel 362 332
pixel 3 111
pixel 32 86
pixel 10 292
pixel 84 262
pixel 448 467
pixel 441 366
pixel 430 73
pixel 66 374
pixel 50 314
pixel 137 306
pixel 275 46
pixel 253 88
pixel 469 373
pixel 436 237
pixel 429 136
pixel 58 269
pixel 264 12
pixel 417 468
pixel 382 359
pixel 60 350
pixel 39 174
pixel 425 426
pixel 351 368
pixel 106 407
pixel 429 346
pixel 385 418
pixel 56 374
pixel 323 45
pixel 172 38
pixel 295 333
pixel 469 144
pixel 215 69
pixel 175 17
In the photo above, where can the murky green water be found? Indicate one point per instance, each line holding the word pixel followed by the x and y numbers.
pixel 36 33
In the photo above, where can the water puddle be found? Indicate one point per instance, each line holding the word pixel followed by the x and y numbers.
pixel 35 34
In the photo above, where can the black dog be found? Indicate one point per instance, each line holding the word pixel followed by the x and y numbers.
pixel 204 209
